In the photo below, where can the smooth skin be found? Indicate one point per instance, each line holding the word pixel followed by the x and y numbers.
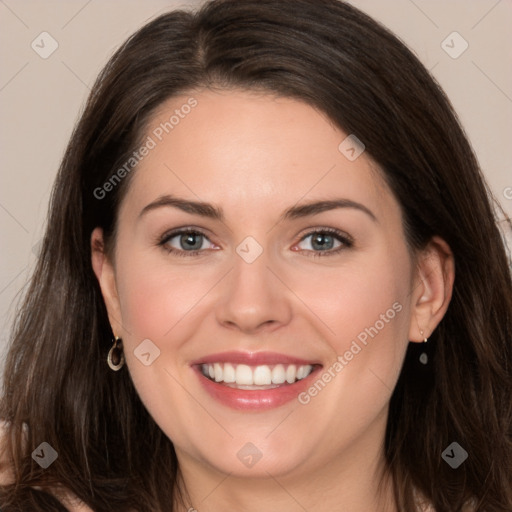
pixel 254 156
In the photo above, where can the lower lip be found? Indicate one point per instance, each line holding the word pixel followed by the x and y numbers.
pixel 254 399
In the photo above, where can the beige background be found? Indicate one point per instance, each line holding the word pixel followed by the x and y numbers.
pixel 40 99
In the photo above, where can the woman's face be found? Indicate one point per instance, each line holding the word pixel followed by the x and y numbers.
pixel 296 262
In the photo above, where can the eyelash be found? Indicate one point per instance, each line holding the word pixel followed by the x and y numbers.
pixel 345 240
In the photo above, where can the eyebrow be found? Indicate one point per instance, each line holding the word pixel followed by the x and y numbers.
pixel 186 205
pixel 215 213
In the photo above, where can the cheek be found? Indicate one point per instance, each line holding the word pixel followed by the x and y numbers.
pixel 157 303
pixel 154 298
pixel 370 308
pixel 161 302
pixel 365 313
pixel 363 300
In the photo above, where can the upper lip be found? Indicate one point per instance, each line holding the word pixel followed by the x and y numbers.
pixel 252 359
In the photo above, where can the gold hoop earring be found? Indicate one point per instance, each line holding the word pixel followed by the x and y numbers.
pixel 115 358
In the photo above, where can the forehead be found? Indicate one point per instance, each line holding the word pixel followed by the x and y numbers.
pixel 238 148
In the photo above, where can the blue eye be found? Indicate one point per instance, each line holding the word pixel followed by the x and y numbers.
pixel 323 242
pixel 186 242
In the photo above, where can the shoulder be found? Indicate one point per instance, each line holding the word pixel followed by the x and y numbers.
pixel 6 476
pixel 422 504
pixel 71 502
pixel 5 472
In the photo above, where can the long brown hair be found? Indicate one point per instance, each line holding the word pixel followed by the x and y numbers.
pixel 111 454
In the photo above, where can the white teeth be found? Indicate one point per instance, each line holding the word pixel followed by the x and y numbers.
pixel 261 375
pixel 278 374
pixel 301 372
pixel 229 373
pixel 243 375
pixel 217 371
pixel 291 373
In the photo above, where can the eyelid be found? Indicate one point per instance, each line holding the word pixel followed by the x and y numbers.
pixel 181 230
pixel 341 234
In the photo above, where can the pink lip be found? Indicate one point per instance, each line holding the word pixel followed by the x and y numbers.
pixel 252 359
pixel 254 400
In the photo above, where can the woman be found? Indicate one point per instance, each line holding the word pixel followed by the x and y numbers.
pixel 271 280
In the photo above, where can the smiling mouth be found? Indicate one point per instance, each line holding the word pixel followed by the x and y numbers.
pixel 260 377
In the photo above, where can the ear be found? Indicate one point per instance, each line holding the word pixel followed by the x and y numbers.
pixel 104 270
pixel 432 288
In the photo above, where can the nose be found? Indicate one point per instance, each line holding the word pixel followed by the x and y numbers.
pixel 253 298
